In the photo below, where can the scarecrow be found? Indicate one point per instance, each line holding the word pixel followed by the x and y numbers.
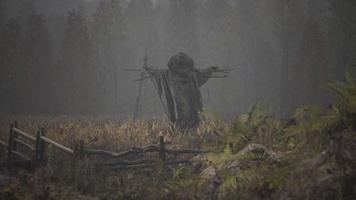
pixel 178 88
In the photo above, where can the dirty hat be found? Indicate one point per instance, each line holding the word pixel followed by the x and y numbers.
pixel 181 61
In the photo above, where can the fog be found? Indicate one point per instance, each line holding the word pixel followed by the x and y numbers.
pixel 71 56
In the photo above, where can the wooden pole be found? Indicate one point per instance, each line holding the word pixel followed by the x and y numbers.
pixel 138 99
pixel 10 147
pixel 81 150
pixel 14 136
pixel 76 152
pixel 75 158
pixel 37 148
pixel 39 154
pixel 42 146
pixel 162 149
pixel 140 87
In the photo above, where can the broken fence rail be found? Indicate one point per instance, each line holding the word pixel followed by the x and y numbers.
pixel 135 150
pixel 37 146
pixel 147 165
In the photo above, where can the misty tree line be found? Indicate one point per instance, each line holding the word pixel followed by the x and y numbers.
pixel 283 52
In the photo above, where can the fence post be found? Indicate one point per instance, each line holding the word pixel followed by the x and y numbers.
pixel 75 152
pixel 81 149
pixel 74 161
pixel 14 136
pixel 43 146
pixel 10 147
pixel 37 148
pixel 162 149
pixel 39 157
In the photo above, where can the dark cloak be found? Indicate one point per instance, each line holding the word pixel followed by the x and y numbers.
pixel 179 86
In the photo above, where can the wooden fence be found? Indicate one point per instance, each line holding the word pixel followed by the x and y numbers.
pixel 36 146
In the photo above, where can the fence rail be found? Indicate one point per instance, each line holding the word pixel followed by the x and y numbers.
pixel 37 148
pixel 59 146
pixel 24 134
pixel 134 150
pixel 28 146
pixel 3 144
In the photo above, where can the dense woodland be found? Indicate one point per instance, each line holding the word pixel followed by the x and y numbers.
pixel 69 56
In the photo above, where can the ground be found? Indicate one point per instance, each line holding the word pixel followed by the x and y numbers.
pixel 310 155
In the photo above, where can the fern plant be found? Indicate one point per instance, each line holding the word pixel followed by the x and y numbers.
pixel 347 92
pixel 184 184
pixel 242 173
pixel 256 115
pixel 245 182
pixel 244 127
pixel 311 130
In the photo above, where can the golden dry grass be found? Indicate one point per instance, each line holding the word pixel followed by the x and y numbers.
pixel 108 133
pixel 114 133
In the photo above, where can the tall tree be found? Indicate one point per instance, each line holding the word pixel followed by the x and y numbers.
pixel 2 14
pixel 143 39
pixel 140 18
pixel 25 11
pixel 288 22
pixel 11 52
pixel 310 69
pixel 38 55
pixel 108 33
pixel 182 26
pixel 2 21
pixel 343 31
pixel 216 23
pixel 76 68
pixel 219 40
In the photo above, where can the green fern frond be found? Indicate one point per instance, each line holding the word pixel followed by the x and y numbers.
pixel 347 92
pixel 349 79
pixel 251 178
pixel 218 158
pixel 229 185
pixel 339 88
pixel 179 173
pixel 227 151
pixel 256 114
pixel 277 176
pixel 311 129
pixel 183 182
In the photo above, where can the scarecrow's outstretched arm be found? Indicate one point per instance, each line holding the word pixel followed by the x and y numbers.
pixel 150 70
pixel 146 73
pixel 203 75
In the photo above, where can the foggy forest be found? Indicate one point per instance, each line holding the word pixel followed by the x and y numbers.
pixel 178 99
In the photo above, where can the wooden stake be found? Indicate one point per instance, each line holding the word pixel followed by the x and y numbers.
pixel 81 149
pixel 14 136
pixel 10 148
pixel 162 152
pixel 40 148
